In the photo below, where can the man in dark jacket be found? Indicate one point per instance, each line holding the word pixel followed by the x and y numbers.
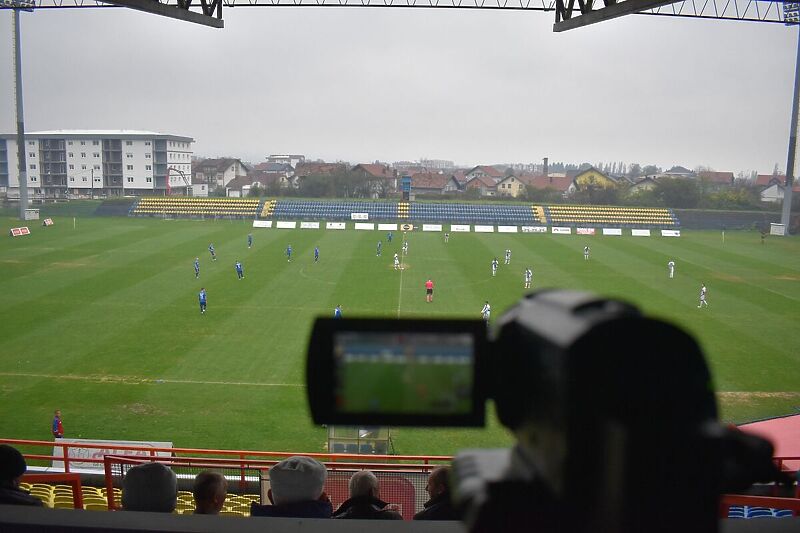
pixel 439 506
pixel 296 491
pixel 365 502
pixel 12 466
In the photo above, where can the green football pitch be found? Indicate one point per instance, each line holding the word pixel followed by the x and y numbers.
pixel 102 320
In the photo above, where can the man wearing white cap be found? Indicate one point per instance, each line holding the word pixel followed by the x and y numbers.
pixel 296 490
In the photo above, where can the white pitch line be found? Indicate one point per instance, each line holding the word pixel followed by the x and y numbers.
pixel 400 290
pixel 134 379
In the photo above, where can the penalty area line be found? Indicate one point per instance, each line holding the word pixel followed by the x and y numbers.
pixel 132 380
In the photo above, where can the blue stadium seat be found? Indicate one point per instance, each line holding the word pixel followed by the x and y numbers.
pixel 736 511
pixel 338 447
pixel 758 512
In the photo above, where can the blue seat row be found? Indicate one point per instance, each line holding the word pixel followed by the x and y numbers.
pixel 364 448
pixel 334 211
pixel 745 511
pixel 472 213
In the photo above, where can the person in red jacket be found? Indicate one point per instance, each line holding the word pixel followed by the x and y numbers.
pixel 58 427
pixel 429 291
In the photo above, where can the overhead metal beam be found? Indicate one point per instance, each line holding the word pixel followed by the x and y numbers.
pixel 211 15
pixel 565 21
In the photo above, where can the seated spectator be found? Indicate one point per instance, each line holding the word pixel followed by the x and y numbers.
pixel 210 489
pixel 364 502
pixel 12 467
pixel 150 487
pixel 440 505
pixel 296 490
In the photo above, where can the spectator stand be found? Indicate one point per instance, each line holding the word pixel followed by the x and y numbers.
pixel 195 207
pixel 403 478
pixel 248 480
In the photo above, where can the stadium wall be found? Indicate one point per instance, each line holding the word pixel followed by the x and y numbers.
pixel 707 219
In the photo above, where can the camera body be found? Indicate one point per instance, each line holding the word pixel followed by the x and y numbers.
pixel 614 413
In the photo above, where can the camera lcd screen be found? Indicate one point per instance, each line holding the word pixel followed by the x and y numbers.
pixel 404 373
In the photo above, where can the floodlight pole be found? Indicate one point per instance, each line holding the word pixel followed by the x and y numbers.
pixel 22 173
pixel 786 213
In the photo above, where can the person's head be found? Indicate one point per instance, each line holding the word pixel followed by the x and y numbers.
pixel 150 487
pixel 296 479
pixel 364 483
pixel 438 481
pixel 58 413
pixel 210 489
pixel 12 466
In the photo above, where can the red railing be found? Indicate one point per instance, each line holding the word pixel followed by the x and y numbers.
pixel 73 480
pixel 147 451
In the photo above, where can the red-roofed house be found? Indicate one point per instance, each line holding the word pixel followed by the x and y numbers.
pixel 461 178
pixel 433 183
pixel 511 186
pixel 560 183
pixel 383 178
pixel 717 179
pixel 485 171
pixel 218 172
pixel 765 180
pixel 774 193
pixel 306 169
pixel 486 185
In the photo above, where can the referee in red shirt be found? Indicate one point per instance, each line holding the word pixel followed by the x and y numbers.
pixel 429 291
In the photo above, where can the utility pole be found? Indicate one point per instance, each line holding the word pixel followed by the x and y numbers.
pixel 22 173
pixel 786 214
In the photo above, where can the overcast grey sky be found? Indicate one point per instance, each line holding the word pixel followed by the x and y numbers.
pixel 392 84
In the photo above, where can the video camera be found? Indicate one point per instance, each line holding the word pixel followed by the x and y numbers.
pixel 614 412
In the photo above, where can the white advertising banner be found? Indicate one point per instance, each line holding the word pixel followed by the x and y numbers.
pixel 407 227
pixel 285 224
pixel 365 225
pixel 561 231
pixel 534 229
pixel 359 216
pixel 335 225
pixel 431 227
pixel 612 231
pixel 484 229
pixel 640 232
pixel 387 227
pixel 585 231
pixel 78 453
pixel 670 233
pixel 777 229
pixel 262 223
pixel 506 229
pixel 309 225
pixel 459 228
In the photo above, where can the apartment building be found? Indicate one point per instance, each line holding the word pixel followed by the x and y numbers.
pixel 62 163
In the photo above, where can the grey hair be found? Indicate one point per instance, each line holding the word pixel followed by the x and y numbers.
pixel 363 483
